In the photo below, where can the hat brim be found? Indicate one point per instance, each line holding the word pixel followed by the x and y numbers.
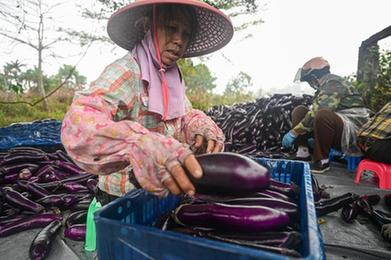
pixel 214 28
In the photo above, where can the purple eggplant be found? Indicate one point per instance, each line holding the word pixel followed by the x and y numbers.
pixel 324 207
pixel 231 217
pixel 230 173
pixel 289 189
pixel 76 232
pixel 77 217
pixel 16 199
pixel 273 194
pixel 75 188
pixel 54 200
pixel 282 205
pixel 33 188
pixel 40 247
pixel 349 213
pixel 70 168
pixel 35 221
pixel 91 185
pixel 373 199
pixel 80 205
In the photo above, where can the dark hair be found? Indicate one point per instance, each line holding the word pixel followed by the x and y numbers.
pixel 169 12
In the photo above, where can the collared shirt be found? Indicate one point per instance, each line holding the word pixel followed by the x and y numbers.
pixel 106 118
pixel 335 94
pixel 379 126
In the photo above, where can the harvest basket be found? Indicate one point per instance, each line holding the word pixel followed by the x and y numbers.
pixel 125 226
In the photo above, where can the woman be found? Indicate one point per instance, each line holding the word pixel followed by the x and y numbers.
pixel 134 126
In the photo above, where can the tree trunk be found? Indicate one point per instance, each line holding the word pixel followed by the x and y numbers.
pixel 40 73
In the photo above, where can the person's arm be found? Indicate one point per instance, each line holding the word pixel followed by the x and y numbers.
pixel 329 97
pixel 101 145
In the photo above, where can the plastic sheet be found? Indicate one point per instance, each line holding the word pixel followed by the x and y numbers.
pixel 353 119
pixel 42 133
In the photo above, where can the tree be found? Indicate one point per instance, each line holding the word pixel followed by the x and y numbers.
pixel 236 90
pixel 75 80
pixel 26 23
pixel 198 78
pixel 12 76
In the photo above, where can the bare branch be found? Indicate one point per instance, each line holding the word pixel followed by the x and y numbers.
pixel 19 40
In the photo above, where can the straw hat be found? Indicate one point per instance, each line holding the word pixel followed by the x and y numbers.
pixel 214 28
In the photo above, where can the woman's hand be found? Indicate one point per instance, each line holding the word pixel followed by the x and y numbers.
pixel 205 136
pixel 160 164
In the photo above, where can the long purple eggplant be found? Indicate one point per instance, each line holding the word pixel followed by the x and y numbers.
pixel 33 188
pixel 41 245
pixel 230 173
pixel 273 194
pixel 282 205
pixel 16 199
pixel 289 189
pixel 324 207
pixel 77 217
pixel 76 232
pixel 54 200
pixel 231 217
pixel 35 221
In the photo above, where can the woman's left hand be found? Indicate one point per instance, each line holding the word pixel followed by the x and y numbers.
pixel 206 136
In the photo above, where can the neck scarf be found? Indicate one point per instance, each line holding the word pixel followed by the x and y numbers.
pixel 145 54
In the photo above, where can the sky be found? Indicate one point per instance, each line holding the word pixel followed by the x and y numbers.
pixel 293 32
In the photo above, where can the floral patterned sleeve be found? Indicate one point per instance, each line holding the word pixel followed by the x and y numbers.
pixel 89 133
pixel 102 144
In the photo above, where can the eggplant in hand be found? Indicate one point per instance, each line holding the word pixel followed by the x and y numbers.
pixel 230 173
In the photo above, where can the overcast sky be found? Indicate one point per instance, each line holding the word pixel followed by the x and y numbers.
pixel 293 32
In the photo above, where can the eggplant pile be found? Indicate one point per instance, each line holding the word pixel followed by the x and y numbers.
pixel 256 128
pixel 364 206
pixel 238 202
pixel 39 189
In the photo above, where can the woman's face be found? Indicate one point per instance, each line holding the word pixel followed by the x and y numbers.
pixel 173 37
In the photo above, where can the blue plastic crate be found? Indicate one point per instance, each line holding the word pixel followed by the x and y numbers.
pixel 125 229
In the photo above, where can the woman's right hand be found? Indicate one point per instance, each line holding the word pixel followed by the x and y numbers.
pixel 160 164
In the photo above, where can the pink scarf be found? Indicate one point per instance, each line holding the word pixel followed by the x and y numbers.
pixel 145 54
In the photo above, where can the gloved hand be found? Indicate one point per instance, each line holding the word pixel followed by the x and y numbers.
pixel 159 164
pixel 288 139
pixel 386 232
pixel 205 136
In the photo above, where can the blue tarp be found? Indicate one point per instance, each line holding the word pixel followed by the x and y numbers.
pixel 42 133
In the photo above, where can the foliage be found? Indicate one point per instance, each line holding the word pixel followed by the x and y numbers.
pixel 377 96
pixel 15 113
pixel 198 78
pixel 13 78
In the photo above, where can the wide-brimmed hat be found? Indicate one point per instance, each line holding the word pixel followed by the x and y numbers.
pixel 214 28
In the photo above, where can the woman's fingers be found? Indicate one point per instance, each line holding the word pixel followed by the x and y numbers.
pixel 199 140
pixel 218 148
pixel 171 185
pixel 178 182
pixel 192 166
pixel 211 146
